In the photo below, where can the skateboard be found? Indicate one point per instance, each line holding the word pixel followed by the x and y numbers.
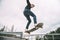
pixel 39 25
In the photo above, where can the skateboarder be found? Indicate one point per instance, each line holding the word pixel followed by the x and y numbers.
pixel 27 13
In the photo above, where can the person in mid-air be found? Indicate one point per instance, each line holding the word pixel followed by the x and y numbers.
pixel 28 13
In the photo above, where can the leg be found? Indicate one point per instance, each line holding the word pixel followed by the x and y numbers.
pixel 27 26
pixel 34 17
pixel 35 20
pixel 29 21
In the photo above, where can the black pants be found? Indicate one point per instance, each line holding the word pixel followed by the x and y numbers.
pixel 27 14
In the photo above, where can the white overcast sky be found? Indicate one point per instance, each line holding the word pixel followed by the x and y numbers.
pixel 47 12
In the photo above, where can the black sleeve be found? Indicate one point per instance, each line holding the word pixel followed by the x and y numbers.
pixel 28 2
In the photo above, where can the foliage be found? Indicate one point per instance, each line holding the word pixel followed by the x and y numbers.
pixel 50 37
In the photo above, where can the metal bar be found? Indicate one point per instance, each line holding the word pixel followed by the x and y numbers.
pixel 53 37
pixel 42 35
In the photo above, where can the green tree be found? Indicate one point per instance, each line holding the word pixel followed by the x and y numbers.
pixel 56 37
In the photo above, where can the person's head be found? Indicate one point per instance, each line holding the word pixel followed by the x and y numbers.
pixel 32 5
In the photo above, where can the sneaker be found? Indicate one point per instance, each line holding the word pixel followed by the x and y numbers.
pixel 26 29
pixel 35 25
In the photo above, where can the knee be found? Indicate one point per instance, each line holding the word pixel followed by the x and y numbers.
pixel 34 16
pixel 29 21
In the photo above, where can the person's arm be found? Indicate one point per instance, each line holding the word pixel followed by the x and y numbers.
pixel 28 2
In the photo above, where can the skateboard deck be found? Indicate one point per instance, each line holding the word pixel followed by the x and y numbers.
pixel 39 25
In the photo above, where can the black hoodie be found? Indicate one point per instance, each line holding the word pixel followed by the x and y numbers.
pixel 28 5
